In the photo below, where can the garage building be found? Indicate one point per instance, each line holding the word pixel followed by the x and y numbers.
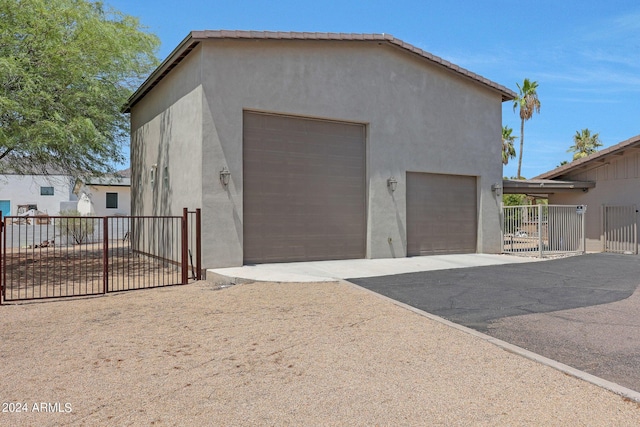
pixel 318 146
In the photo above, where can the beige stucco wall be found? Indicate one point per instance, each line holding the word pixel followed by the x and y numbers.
pixel 419 118
pixel 617 183
pixel 166 144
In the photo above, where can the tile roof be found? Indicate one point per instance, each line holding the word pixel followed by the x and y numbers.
pixel 195 37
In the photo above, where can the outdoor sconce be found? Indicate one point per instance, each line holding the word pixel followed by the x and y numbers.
pixel 152 174
pixel 497 188
pixel 392 184
pixel 224 176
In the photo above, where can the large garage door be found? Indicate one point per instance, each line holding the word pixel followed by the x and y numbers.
pixel 304 189
pixel 441 214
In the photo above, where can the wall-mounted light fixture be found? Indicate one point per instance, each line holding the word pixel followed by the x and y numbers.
pixel 392 184
pixel 497 188
pixel 152 174
pixel 224 176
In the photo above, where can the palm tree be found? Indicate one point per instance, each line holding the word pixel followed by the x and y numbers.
pixel 508 150
pixel 584 144
pixel 529 103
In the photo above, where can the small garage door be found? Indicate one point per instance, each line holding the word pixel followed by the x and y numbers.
pixel 304 189
pixel 441 214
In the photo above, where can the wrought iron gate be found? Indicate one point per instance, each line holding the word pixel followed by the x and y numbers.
pixel 69 256
pixel 543 229
pixel 620 229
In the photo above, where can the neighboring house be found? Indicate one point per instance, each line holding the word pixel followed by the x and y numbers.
pixel 105 196
pixel 608 183
pixel 48 194
pixel 317 146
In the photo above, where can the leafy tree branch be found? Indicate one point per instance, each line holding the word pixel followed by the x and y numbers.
pixel 66 69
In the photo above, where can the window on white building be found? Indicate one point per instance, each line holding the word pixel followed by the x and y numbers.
pixel 112 200
pixel 46 191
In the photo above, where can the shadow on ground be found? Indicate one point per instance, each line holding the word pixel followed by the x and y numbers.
pixel 577 310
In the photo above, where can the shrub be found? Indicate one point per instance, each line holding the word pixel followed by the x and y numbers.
pixel 76 228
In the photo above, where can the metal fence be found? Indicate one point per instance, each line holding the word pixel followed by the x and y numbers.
pixel 620 229
pixel 194 221
pixel 543 229
pixel 67 256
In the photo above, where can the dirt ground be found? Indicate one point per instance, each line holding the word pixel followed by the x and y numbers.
pixel 272 354
pixel 60 271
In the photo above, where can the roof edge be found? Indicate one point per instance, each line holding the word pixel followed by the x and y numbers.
pixel 195 37
pixel 599 155
pixel 543 186
pixel 173 59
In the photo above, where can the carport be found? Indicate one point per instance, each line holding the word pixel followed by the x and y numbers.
pixel 543 229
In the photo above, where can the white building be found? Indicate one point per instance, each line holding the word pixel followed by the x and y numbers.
pixel 48 194
pixel 107 196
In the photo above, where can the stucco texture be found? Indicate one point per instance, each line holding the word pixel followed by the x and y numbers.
pixel 419 118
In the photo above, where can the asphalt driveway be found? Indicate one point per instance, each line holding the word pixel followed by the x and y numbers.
pixel 576 310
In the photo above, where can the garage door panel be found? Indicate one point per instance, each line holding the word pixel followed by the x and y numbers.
pixel 304 189
pixel 441 214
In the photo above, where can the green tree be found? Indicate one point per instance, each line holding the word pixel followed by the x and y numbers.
pixel 584 143
pixel 528 102
pixel 508 150
pixel 515 200
pixel 66 69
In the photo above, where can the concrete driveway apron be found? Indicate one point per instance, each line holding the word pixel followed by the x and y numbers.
pixel 576 310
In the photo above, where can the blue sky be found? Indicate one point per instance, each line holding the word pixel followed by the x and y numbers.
pixel 585 55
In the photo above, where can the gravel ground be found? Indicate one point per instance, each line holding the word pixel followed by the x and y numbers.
pixel 273 354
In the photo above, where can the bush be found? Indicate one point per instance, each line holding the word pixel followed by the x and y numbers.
pixel 77 228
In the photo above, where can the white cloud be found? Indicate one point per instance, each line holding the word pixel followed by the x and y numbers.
pixel 621 25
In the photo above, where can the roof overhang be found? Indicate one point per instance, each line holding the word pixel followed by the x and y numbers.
pixel 106 181
pixel 174 58
pixel 196 37
pixel 595 160
pixel 544 186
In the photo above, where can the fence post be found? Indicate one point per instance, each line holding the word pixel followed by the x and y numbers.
pixel 198 244
pixel 184 246
pixel 634 227
pixel 540 229
pixel 502 216
pixel 1 257
pixel 583 218
pixel 105 255
pixel 603 230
